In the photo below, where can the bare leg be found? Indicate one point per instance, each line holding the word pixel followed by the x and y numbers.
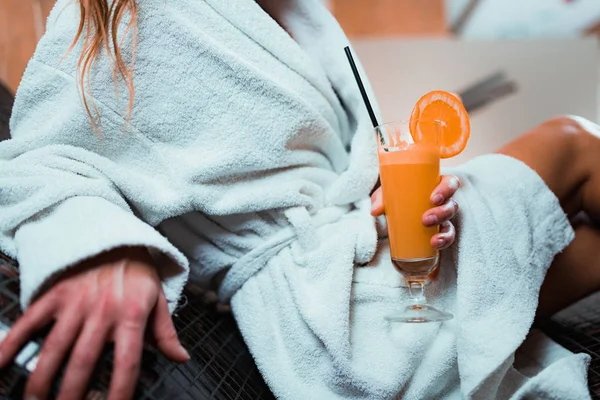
pixel 566 156
pixel 574 274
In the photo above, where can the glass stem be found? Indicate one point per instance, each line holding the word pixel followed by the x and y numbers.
pixel 416 291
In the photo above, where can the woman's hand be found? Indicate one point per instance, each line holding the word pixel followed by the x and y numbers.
pixel 445 208
pixel 111 298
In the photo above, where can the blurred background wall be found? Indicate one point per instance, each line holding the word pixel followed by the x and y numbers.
pixel 22 23
pixel 516 62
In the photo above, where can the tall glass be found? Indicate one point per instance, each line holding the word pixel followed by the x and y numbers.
pixel 409 173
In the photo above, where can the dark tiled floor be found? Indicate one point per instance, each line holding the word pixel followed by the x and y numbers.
pixel 578 329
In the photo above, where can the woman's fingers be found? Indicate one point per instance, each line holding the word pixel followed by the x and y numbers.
pixel 441 214
pixel 56 346
pixel 128 355
pixel 129 341
pixel 40 314
pixel 377 203
pixel 84 357
pixel 164 333
pixel 445 237
pixel 445 190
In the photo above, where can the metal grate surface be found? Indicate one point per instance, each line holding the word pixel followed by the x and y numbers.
pixel 578 329
pixel 221 365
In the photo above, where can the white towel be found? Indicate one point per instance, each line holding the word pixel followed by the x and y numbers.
pixel 253 156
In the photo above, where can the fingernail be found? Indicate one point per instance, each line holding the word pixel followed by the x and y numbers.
pixel 376 203
pixel 453 183
pixel 438 199
pixel 431 220
pixel 185 352
pixel 454 205
pixel 440 243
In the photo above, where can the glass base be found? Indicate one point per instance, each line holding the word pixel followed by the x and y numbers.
pixel 419 313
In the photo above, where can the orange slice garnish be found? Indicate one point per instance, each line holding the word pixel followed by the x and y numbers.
pixel 454 127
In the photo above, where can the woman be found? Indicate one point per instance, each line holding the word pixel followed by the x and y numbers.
pixel 248 148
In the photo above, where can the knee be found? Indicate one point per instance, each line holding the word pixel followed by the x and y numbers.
pixel 583 124
pixel 569 132
pixel 567 125
pixel 560 142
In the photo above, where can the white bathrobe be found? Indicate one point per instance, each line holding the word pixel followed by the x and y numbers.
pixel 248 163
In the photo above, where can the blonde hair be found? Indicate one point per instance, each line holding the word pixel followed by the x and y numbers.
pixel 99 23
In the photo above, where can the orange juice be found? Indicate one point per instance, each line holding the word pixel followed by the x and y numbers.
pixel 408 178
pixel 409 165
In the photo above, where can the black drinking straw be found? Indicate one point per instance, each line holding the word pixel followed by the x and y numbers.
pixel 363 92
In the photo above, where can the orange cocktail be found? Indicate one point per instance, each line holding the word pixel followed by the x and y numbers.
pixel 409 174
pixel 409 162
